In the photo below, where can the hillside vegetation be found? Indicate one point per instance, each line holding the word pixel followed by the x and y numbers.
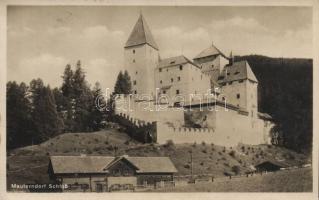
pixel 285 92
pixel 29 164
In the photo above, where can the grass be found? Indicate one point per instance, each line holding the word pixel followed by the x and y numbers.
pixel 29 164
pixel 297 180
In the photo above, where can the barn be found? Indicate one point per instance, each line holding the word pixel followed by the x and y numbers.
pixel 104 173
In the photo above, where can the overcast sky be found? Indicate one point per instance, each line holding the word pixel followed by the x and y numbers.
pixel 42 40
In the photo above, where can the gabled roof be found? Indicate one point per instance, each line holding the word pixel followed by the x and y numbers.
pixel 173 61
pixel 100 164
pixel 237 71
pixel 80 164
pixel 210 51
pixel 141 34
pixel 153 164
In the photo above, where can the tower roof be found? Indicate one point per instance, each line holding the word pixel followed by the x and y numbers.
pixel 237 71
pixel 210 51
pixel 141 34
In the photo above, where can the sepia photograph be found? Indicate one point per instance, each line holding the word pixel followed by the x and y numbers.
pixel 158 99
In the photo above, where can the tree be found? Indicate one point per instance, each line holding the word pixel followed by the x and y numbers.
pixel 98 108
pixel 123 84
pixel 44 112
pixel 19 121
pixel 83 98
pixel 66 102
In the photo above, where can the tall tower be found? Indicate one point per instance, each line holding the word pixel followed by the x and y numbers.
pixel 141 57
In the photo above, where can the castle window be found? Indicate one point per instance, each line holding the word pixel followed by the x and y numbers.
pixel 177 91
pixel 164 91
pixel 135 92
pixel 181 67
pixel 160 69
pixel 238 96
pixel 172 80
pixel 134 51
pixel 240 81
pixel 228 73
pixel 161 81
pixel 136 72
pixel 223 98
pixel 134 82
pixel 133 60
pixel 179 78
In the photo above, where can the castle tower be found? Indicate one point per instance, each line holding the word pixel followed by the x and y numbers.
pixel 141 57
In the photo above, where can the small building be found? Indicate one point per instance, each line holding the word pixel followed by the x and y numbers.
pixel 104 173
pixel 270 165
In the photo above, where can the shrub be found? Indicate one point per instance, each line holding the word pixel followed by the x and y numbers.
pixel 236 169
pixel 106 142
pixel 194 145
pixel 232 153
pixel 243 148
pixel 127 142
pixel 96 140
pixel 224 150
pixel 187 166
pixel 240 161
pixel 203 143
pixel 220 153
pixel 213 149
pixel 169 143
pixel 201 163
pixel 204 151
pixel 269 146
pixel 212 144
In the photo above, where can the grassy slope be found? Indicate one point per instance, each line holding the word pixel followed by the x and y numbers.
pixel 298 180
pixel 29 164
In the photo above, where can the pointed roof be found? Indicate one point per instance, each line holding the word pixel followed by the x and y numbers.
pixel 237 71
pixel 141 34
pixel 210 51
pixel 173 61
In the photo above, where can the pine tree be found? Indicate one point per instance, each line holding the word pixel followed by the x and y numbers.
pixel 67 99
pixel 123 84
pixel 19 122
pixel 44 113
pixel 83 98
pixel 98 108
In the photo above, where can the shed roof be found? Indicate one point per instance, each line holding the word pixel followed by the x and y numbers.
pixel 100 164
pixel 237 71
pixel 141 34
pixel 173 61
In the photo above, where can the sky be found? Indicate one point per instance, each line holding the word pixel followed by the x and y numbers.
pixel 42 40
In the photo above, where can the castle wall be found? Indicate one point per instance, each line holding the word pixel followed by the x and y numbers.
pixel 231 90
pixel 225 128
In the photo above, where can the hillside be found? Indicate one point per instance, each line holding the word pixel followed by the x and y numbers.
pixel 29 164
pixel 282 181
pixel 285 92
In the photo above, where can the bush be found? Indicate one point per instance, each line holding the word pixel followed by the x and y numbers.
pixel 194 145
pixel 96 140
pixel 201 163
pixel 232 153
pixel 204 151
pixel 203 143
pixel 236 169
pixel 224 150
pixel 187 166
pixel 243 148
pixel 169 143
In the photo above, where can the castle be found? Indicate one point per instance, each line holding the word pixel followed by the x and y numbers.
pixel 172 97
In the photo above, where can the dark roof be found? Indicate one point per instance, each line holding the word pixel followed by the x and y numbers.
pixel 173 61
pixel 141 34
pixel 237 71
pixel 100 164
pixel 274 162
pixel 210 51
